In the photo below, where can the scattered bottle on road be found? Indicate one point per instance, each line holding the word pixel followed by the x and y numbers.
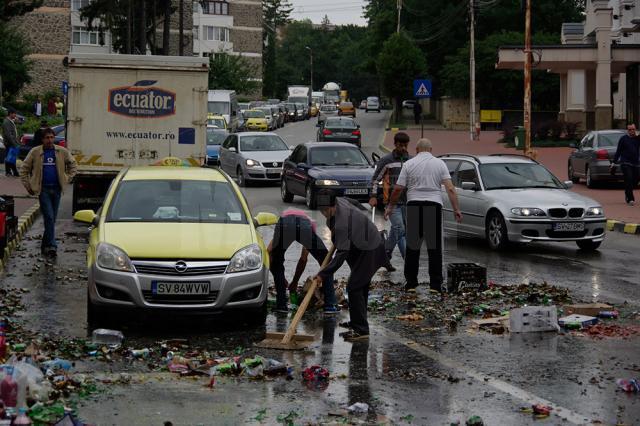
pixel 9 388
pixel 22 418
pixel 631 385
pixel 104 336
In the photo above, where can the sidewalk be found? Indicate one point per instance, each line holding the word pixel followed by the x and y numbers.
pixel 555 159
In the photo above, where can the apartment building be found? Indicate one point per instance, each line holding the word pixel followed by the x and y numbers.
pixel 230 26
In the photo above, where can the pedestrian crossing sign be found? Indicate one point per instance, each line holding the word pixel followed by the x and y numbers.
pixel 422 88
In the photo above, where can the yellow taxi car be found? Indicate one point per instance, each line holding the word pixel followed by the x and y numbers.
pixel 176 239
pixel 255 120
pixel 346 108
pixel 217 121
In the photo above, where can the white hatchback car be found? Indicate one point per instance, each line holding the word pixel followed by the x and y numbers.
pixel 511 198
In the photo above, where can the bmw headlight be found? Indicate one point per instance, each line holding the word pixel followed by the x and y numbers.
pixel 112 257
pixel 246 259
pixel 252 163
pixel 327 182
pixel 595 211
pixel 528 211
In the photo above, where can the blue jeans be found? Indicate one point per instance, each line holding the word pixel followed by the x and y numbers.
pixel 287 230
pixel 397 235
pixel 49 202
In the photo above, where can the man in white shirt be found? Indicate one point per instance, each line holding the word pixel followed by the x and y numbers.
pixel 422 177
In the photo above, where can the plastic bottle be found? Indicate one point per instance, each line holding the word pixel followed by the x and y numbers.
pixel 22 418
pixel 9 388
pixel 58 364
pixel 104 336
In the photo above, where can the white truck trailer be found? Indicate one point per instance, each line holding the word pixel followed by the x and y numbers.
pixel 132 110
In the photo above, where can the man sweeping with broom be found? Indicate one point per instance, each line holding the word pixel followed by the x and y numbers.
pixel 358 242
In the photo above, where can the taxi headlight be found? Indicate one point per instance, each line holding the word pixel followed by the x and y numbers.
pixel 595 211
pixel 246 259
pixel 327 182
pixel 112 257
pixel 528 211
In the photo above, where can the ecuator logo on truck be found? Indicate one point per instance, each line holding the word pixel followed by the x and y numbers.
pixel 142 100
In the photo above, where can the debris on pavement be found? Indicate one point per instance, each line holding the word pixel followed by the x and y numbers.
pixel 530 319
pixel 631 385
pixel 601 331
pixel 577 321
pixel 410 317
pixel 588 309
pixel 474 421
pixel 104 336
pixel 358 408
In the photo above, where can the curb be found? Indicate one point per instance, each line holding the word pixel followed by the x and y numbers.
pixel 24 224
pixel 627 228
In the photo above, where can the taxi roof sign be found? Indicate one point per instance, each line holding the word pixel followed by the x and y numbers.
pixel 172 162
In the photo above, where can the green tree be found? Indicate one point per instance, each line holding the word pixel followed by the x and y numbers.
pixel 275 14
pixel 399 63
pixel 499 89
pixel 14 67
pixel 132 23
pixel 11 8
pixel 231 72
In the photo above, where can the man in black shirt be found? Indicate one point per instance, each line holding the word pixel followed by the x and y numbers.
pixel 627 156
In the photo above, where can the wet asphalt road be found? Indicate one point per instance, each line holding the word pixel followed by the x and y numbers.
pixel 406 373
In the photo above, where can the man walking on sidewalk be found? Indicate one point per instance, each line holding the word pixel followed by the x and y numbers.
pixel 10 137
pixel 388 169
pixel 422 177
pixel 45 172
pixel 417 111
pixel 358 242
pixel 627 156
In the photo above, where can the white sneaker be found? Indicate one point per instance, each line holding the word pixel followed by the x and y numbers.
pixel 631 203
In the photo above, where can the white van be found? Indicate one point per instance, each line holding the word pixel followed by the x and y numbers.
pixel 224 103
pixel 373 104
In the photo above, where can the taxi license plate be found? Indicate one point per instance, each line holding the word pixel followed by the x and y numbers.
pixel 171 288
pixel 568 226
pixel 356 191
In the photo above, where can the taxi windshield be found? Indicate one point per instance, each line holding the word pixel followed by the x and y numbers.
pixel 190 201
pixel 254 114
pixel 218 122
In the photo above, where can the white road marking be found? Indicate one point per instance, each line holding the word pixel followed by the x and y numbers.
pixel 500 385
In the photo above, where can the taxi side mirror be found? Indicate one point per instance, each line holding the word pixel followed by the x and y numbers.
pixel 265 219
pixel 86 216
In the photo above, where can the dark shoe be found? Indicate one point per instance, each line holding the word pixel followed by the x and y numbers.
pixel 410 286
pixel 389 267
pixel 345 324
pixel 50 251
pixel 353 335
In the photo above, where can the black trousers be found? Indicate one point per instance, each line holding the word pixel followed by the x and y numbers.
pixel 630 174
pixel 10 169
pixel 358 300
pixel 424 224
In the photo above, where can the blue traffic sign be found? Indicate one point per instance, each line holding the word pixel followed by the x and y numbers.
pixel 65 87
pixel 422 88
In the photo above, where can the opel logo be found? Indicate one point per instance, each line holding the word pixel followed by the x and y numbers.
pixel 181 267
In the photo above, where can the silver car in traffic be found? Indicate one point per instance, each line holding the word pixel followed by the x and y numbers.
pixel 254 156
pixel 510 198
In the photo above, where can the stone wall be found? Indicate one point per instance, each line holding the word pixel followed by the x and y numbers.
pixel 453 113
pixel 246 15
pixel 256 63
pixel 246 41
pixel 46 76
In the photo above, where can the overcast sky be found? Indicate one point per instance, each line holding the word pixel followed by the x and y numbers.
pixel 339 12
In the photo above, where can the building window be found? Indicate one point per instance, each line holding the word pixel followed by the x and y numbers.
pixel 215 33
pixel 79 4
pixel 215 7
pixel 80 35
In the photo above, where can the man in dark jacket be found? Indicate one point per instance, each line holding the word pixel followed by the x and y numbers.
pixel 417 111
pixel 627 156
pixel 387 170
pixel 358 242
pixel 10 136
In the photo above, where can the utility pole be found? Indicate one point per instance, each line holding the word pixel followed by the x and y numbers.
pixel 399 13
pixel 311 63
pixel 472 72
pixel 527 80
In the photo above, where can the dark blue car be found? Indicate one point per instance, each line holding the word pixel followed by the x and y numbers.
pixel 341 167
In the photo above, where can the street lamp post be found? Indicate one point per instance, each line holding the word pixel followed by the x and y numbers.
pixel 311 62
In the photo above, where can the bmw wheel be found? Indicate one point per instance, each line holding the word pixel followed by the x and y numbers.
pixel 287 196
pixel 496 231
pixel 310 198
pixel 571 174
